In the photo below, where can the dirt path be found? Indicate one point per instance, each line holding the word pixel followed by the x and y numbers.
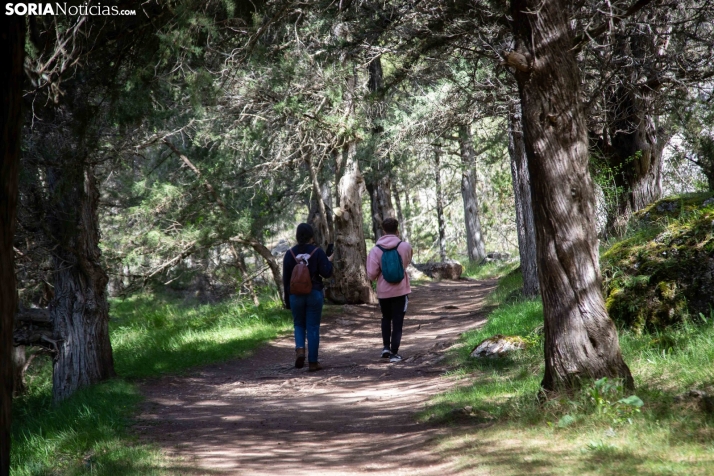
pixel 261 416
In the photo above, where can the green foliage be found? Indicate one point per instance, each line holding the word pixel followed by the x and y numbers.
pixel 151 335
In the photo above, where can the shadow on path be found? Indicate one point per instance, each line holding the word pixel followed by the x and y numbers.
pixel 261 416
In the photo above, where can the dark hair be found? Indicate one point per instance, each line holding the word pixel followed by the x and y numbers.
pixel 304 233
pixel 390 225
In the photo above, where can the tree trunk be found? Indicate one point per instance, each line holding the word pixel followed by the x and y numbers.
pixel 403 224
pixel 524 205
pixel 439 204
pixel 378 183
pixel 268 257
pixel 632 144
pixel 350 284
pixel 580 339
pixel 474 237
pixel 19 362
pixel 12 49
pixel 247 281
pixel 381 204
pixel 79 310
pixel 320 216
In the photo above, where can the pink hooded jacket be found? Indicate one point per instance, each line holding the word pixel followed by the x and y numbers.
pixel 374 267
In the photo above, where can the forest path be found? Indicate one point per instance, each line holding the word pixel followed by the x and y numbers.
pixel 261 416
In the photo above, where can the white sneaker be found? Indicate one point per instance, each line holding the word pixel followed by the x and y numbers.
pixel 386 353
pixel 395 358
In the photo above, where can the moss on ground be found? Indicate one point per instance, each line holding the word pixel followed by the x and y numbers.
pixel 663 273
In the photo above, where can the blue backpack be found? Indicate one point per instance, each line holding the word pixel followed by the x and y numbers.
pixel 392 266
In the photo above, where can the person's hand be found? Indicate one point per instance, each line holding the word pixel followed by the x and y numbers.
pixel 329 258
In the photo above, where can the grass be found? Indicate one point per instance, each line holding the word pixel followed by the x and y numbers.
pixel 151 336
pixel 490 270
pixel 586 432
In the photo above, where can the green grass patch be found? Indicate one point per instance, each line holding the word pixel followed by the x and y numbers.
pixel 88 433
pixel 596 430
pixel 491 270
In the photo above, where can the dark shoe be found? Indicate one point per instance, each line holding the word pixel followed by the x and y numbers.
pixel 314 367
pixel 386 353
pixel 300 358
pixel 395 358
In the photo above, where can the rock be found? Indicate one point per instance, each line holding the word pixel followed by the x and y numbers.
pixel 707 404
pixel 450 270
pixel 498 346
pixel 497 256
pixel 667 206
pixel 708 202
pixel 697 394
pixel 281 248
pixel 414 273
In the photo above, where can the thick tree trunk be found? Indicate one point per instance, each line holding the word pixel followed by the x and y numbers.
pixel 632 145
pixel 350 273
pixel 580 339
pixel 524 205
pixel 474 236
pixel 439 204
pixel 12 48
pixel 79 310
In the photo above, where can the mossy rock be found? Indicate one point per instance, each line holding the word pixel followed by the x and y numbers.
pixel 664 272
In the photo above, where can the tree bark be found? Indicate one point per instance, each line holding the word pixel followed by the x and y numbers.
pixel 320 216
pixel 403 223
pixel 524 204
pixel 632 145
pixel 350 284
pixel 580 339
pixel 379 182
pixel 80 310
pixel 12 49
pixel 476 247
pixel 439 204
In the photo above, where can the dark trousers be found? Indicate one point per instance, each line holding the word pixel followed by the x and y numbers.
pixel 393 310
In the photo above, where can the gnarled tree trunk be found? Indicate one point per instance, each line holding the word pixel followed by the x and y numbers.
pixel 474 236
pixel 79 310
pixel 524 204
pixel 580 339
pixel 12 49
pixel 350 273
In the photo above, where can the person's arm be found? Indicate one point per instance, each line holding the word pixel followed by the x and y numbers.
pixel 287 272
pixel 408 252
pixel 374 267
pixel 324 264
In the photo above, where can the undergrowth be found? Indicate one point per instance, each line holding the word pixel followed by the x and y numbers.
pixel 87 434
pixel 601 429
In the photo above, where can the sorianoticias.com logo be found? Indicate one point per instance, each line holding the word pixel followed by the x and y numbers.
pixel 85 9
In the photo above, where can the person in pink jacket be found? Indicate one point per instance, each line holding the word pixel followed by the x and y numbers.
pixel 393 297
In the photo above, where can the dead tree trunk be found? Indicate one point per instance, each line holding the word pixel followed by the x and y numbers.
pixel 79 310
pixel 476 247
pixel 524 204
pixel 350 284
pixel 580 339
pixel 439 203
pixel 12 49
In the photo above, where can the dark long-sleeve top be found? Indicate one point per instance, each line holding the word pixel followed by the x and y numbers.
pixel 318 264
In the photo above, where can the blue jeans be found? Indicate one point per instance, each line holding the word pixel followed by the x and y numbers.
pixel 307 312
